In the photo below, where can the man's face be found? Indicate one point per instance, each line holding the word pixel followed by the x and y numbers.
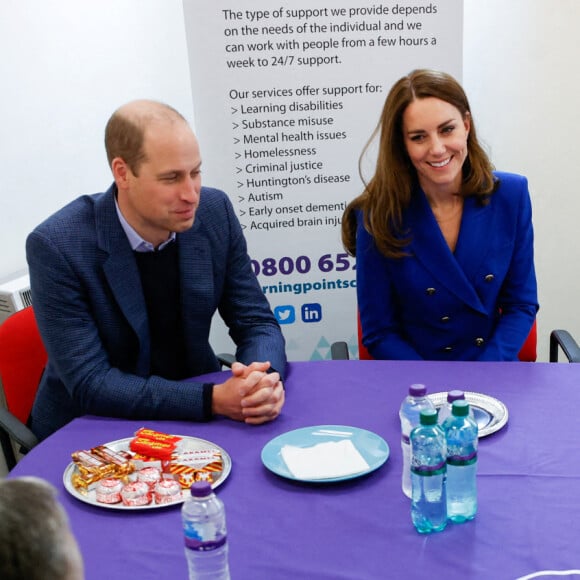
pixel 164 196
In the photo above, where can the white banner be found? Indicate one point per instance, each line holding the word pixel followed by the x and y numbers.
pixel 285 96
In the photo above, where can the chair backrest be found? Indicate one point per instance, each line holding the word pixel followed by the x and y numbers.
pixel 363 353
pixel 22 361
pixel 528 352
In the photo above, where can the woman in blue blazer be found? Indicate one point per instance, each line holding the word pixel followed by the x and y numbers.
pixel 444 245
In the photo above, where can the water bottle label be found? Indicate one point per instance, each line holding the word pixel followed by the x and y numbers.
pixel 462 460
pixel 429 470
pixel 199 546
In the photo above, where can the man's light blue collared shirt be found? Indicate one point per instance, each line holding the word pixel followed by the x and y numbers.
pixel 138 244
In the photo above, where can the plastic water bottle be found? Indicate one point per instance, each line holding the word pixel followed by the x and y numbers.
pixel 445 410
pixel 409 413
pixel 461 434
pixel 204 527
pixel 428 475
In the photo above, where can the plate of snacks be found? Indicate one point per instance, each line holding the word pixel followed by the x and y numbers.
pixel 147 471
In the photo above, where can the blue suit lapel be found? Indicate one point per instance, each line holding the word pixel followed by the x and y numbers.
pixel 429 246
pixel 477 225
pixel 120 270
pixel 197 283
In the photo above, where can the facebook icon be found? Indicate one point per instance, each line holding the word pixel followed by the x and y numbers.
pixel 311 312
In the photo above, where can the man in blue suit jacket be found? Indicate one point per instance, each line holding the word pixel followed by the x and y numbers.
pixel 125 284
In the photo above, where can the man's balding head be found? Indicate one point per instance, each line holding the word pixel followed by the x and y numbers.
pixel 125 130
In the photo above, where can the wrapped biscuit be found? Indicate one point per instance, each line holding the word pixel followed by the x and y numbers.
pixel 167 491
pixel 85 483
pixel 136 494
pixel 109 491
pixel 204 476
pixel 198 458
pixel 187 475
pixel 122 465
pixel 89 464
pixel 141 461
pixel 149 475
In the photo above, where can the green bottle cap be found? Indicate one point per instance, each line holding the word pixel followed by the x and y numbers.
pixel 460 408
pixel 428 417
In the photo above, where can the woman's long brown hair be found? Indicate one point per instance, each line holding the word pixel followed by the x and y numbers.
pixel 388 192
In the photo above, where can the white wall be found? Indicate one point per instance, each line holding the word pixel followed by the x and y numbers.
pixel 66 65
pixel 522 77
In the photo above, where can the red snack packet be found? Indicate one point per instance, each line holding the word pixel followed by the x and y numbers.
pixel 145 433
pixel 151 448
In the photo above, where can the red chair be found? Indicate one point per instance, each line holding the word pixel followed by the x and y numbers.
pixel 22 361
pixel 528 352
pixel 363 353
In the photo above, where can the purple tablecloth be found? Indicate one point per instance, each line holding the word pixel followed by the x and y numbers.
pixel 528 479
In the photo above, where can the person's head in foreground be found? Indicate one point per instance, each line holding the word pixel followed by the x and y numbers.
pixel 36 542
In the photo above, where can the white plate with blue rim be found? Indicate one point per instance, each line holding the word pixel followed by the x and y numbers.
pixel 373 449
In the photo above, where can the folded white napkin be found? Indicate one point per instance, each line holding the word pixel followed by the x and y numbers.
pixel 324 460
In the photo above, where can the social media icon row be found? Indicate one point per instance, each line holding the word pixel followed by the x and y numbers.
pixel 286 313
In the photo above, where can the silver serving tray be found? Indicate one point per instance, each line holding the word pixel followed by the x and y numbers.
pixel 490 413
pixel 186 444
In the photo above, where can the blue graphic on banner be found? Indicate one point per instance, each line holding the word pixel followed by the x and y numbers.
pixel 311 312
pixel 285 314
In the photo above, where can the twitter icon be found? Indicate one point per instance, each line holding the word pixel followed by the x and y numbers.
pixel 285 314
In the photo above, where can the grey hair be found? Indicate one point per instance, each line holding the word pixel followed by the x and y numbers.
pixel 35 538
